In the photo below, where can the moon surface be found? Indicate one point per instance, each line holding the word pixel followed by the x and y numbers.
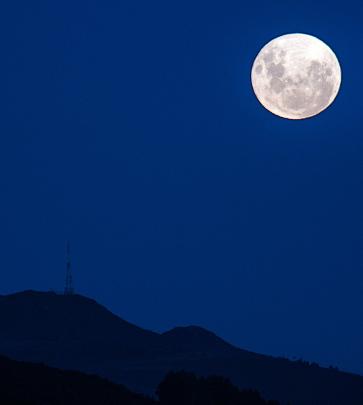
pixel 296 76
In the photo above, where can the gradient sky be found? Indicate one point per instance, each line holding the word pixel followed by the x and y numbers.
pixel 130 127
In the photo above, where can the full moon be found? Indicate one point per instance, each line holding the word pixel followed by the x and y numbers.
pixel 296 76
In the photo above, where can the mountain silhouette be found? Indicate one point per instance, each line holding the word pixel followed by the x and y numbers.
pixel 75 332
pixel 195 339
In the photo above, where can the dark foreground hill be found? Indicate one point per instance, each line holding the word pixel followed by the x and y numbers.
pixel 75 332
pixel 36 384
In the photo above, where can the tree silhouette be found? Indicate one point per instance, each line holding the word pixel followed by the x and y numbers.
pixel 182 388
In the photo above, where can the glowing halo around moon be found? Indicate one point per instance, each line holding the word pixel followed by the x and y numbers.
pixel 296 76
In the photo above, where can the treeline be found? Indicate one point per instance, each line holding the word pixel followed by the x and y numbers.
pixel 183 388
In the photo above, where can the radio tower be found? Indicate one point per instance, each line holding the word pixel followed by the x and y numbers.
pixel 68 289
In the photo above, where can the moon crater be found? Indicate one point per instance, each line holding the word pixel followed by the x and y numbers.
pixel 296 76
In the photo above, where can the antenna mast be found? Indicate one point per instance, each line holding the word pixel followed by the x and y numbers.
pixel 68 289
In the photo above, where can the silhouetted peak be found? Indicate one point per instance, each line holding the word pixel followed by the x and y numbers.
pixel 37 303
pixel 31 313
pixel 195 337
pixel 46 295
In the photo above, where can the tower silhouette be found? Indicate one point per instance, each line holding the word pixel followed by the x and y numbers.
pixel 68 289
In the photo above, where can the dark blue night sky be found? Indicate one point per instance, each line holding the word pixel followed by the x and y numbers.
pixel 130 128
